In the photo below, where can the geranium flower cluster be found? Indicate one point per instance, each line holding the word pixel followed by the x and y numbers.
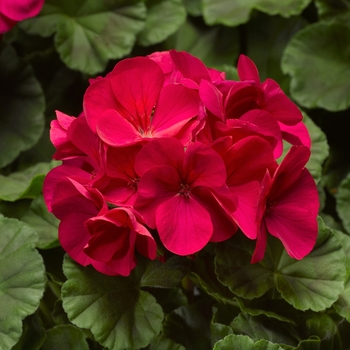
pixel 167 150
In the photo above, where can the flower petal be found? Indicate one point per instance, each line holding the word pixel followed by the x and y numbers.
pixel 247 69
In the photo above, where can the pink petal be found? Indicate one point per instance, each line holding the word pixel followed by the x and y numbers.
pixel 247 69
pixel 297 134
pixel 20 10
pixel 167 151
pixel 260 246
pixel 156 186
pixel 145 243
pixel 203 167
pixel 246 213
pixel 184 226
pixel 190 67
pixel 293 217
pixel 113 129
pixel 6 24
pixel 120 192
pixel 212 98
pixel 176 106
pixel 136 83
pixel 248 159
pixel 119 267
pixel 98 99
pixel 73 236
pixel 279 105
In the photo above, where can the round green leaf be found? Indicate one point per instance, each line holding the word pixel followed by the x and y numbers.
pixel 343 202
pixel 242 342
pixel 164 17
pixel 89 33
pixel 319 66
pixel 22 278
pixel 24 184
pixel 117 312
pixel 44 223
pixel 314 282
pixel 233 13
pixel 193 7
pixel 22 106
pixel 65 337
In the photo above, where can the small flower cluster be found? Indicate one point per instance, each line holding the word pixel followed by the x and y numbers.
pixel 169 150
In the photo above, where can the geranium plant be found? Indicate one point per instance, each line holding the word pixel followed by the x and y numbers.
pixel 166 180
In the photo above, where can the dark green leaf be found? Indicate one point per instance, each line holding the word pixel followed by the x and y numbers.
pixel 65 337
pixel 165 275
pixel 343 202
pixel 22 278
pixel 161 342
pixel 44 223
pixel 114 309
pixel 164 17
pixel 314 282
pixel 319 66
pixel 262 327
pixel 24 184
pixel 89 33
pixel 218 330
pixel 22 106
pixel 190 326
pixel 193 7
pixel 322 325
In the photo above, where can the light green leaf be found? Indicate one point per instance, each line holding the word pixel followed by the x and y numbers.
pixel 321 325
pixel 44 223
pixel 165 275
pixel 242 342
pixel 22 106
pixel 89 33
pixel 314 282
pixel 193 7
pixel 164 17
pixel 114 309
pixel 65 337
pixel 214 46
pixel 343 202
pixel 233 13
pixel 319 66
pixel 24 184
pixel 22 279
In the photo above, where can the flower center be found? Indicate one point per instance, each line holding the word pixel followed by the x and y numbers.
pixel 185 190
pixel 134 183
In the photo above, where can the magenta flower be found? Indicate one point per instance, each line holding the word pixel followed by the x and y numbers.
pixel 183 195
pixel 114 238
pixel 131 105
pixel 13 11
pixel 288 206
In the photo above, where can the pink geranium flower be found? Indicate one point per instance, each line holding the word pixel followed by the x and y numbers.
pixel 13 11
pixel 288 206
pixel 131 105
pixel 114 237
pixel 183 195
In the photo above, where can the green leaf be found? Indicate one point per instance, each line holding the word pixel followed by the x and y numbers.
pixel 321 325
pixel 233 13
pixel 44 223
pixel 165 275
pixel 24 184
pixel 314 282
pixel 89 33
pixel 161 342
pixel 242 342
pixel 193 7
pixel 164 17
pixel 22 106
pixel 214 46
pixel 343 202
pixel 33 334
pixel 22 278
pixel 319 66
pixel 331 8
pixel 190 325
pixel 342 305
pixel 262 327
pixel 114 309
pixel 65 337
pixel 218 330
